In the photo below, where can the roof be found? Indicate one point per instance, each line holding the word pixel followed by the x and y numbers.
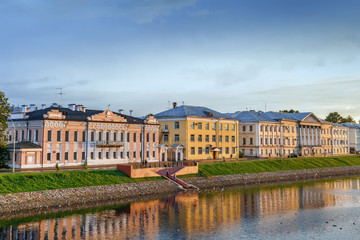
pixel 71 115
pixel 351 125
pixel 190 111
pixel 177 145
pixel 253 116
pixel 22 145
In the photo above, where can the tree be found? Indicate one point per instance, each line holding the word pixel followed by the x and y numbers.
pixel 348 119
pixel 4 113
pixel 334 117
pixel 290 111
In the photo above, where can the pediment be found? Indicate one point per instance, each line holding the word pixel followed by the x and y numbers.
pixel 151 120
pixel 107 116
pixel 54 114
pixel 311 118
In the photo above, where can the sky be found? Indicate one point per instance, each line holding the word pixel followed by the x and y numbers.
pixel 228 55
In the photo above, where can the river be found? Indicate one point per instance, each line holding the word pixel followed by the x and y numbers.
pixel 313 210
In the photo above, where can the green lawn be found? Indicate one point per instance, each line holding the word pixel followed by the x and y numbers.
pixel 27 182
pixel 275 165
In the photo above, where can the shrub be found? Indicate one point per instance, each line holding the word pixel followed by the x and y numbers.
pixel 241 154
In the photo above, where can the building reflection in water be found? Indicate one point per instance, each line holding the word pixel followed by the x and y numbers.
pixel 187 215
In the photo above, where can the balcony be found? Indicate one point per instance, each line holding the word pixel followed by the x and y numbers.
pixel 165 130
pixel 112 144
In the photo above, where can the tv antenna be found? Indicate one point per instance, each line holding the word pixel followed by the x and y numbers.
pixel 108 106
pixel 61 95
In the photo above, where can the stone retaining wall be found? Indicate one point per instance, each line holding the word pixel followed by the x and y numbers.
pixel 42 200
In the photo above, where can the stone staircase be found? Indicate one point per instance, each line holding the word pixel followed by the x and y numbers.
pixel 169 174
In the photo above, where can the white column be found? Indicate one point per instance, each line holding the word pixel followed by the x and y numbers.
pixel 176 154
pixel 181 155
pixel 316 136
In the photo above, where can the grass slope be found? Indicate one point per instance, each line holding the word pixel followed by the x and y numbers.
pixel 276 165
pixel 27 182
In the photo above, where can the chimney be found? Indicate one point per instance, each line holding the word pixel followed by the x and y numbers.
pixel 72 107
pixel 77 108
pixel 84 109
pixel 54 105
pixel 174 104
pixel 121 111
pixel 43 106
pixel 80 108
pixel 24 108
pixel 32 107
pixel 131 112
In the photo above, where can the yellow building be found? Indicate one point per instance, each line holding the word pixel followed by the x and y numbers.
pixel 192 133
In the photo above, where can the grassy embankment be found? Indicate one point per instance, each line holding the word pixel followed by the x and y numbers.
pixel 25 182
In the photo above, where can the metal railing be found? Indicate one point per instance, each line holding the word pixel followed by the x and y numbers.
pixel 162 164
pixel 109 144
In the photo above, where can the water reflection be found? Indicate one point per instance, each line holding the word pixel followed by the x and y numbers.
pixel 261 213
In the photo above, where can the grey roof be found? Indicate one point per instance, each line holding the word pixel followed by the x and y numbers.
pixel 177 145
pixel 253 116
pixel 351 125
pixel 22 145
pixel 190 111
pixel 71 115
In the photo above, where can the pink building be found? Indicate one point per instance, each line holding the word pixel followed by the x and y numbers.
pixel 73 135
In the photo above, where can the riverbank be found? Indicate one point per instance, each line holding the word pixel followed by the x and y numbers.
pixel 42 201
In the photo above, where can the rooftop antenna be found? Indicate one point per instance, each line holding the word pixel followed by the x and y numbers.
pixel 265 106
pixel 183 102
pixel 61 96
pixel 108 106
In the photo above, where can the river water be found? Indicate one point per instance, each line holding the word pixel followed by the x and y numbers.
pixel 315 210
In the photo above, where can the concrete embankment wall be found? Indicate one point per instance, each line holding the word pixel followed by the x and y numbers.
pixel 42 200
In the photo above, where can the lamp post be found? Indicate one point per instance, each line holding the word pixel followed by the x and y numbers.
pixel 13 158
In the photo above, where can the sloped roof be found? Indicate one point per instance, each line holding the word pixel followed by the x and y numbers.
pixel 351 125
pixel 190 111
pixel 22 145
pixel 253 116
pixel 71 115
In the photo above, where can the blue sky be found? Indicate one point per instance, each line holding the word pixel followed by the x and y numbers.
pixel 227 55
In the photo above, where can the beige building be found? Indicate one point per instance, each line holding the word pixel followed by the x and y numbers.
pixel 73 135
pixel 275 134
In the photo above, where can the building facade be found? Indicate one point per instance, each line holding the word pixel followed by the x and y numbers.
pixel 354 137
pixel 192 133
pixel 71 136
pixel 275 134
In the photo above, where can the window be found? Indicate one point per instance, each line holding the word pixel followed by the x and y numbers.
pixel 166 127
pixel 58 156
pixel 207 150
pixel 100 136
pixel 176 125
pixel 214 138
pixel 275 141
pixel 293 141
pixel 141 137
pixel 214 126
pixel 154 137
pixel 92 155
pixel 166 138
pixel 261 141
pixel 192 125
pixel 114 155
pixel 266 141
pixel 233 127
pixel 227 150
pixel 192 151
pixel 220 127
pixel 29 135
pixel 250 128
pixel 122 154
pixel 128 137
pixel 122 137
pixel 134 137
pixel 226 138
pixel 83 155
pixel 251 141
pixel 154 154
pixel 92 136
pixel 220 138
pixel 58 136
pixel 22 135
pixel 84 136
pixel 48 137
pixel 226 127
pixel 220 148
pixel 75 136
pixel 107 136
pixel 66 156
pixel 115 136
pixel 100 155
pixel 244 141
pixel 233 150
pixel 75 155
pixel 176 139
pixel 200 150
pixel 233 139
pixel 147 154
pixel 292 129
pixel 192 138
pixel 148 137
pixel 200 126
pixel 66 136
pixel 207 126
pixel 48 156
pixel 244 128
pixel 270 140
pixel 251 152
pixel 200 138
pixel 207 138
pixel 107 154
